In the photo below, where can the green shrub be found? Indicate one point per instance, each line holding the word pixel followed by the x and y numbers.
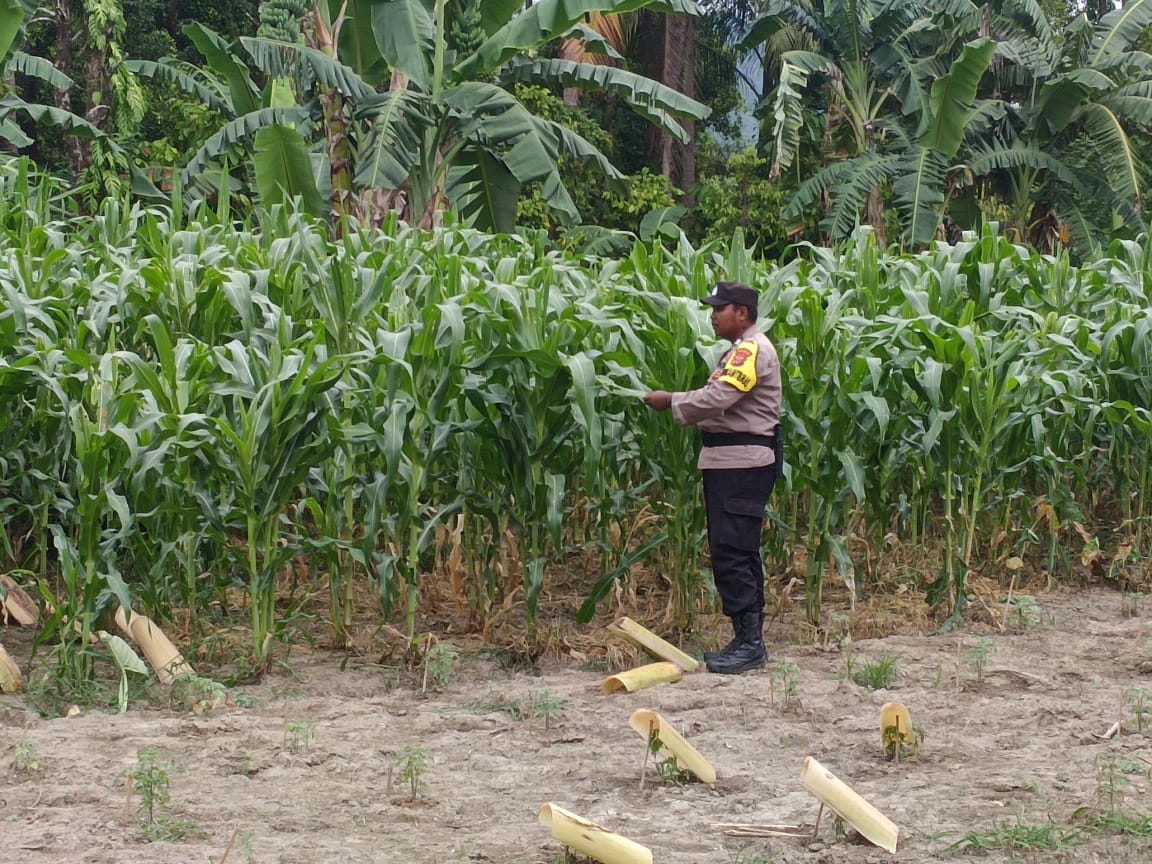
pixel 740 195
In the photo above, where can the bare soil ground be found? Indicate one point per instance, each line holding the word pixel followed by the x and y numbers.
pixel 297 772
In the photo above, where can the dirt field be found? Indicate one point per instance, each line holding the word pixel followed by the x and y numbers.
pixel 297 772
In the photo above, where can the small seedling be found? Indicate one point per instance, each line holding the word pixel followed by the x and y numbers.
pixel 938 681
pixel 27 757
pixel 1026 612
pixel 438 665
pixel 413 762
pixel 1130 604
pixel 978 656
pixel 899 745
pixel 544 705
pixel 197 694
pixel 248 847
pixel 875 674
pixel 298 734
pixel 787 677
pixel 668 769
pixel 1140 704
pixel 1113 777
pixel 149 781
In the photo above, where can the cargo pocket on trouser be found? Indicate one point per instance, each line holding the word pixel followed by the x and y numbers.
pixel 743 524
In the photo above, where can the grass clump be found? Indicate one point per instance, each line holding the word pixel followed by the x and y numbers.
pixel 537 705
pixel 1017 837
pixel 874 674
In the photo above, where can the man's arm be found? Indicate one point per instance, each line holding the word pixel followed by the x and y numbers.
pixel 711 400
pixel 690 407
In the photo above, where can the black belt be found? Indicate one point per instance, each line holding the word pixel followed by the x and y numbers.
pixel 735 439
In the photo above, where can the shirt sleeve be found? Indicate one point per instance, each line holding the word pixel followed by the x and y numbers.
pixel 711 400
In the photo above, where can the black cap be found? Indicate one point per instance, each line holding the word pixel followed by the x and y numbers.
pixel 733 292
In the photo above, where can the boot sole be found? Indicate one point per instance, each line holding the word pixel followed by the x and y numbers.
pixel 737 670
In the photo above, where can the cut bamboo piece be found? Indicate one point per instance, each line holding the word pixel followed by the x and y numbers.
pixel 645 639
pixel 895 728
pixel 849 806
pixel 15 603
pixel 672 743
pixel 643 676
pixel 11 681
pixel 590 839
pixel 158 649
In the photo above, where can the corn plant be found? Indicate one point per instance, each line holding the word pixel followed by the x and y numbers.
pixel 271 427
pixel 191 403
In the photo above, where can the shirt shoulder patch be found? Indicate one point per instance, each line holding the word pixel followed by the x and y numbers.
pixel 739 367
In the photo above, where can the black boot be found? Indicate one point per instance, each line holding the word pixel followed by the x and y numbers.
pixel 712 656
pixel 749 652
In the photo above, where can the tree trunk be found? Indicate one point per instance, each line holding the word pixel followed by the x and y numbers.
pixel 336 134
pixel 572 49
pixel 79 155
pixel 668 43
pixel 874 216
pixel 98 82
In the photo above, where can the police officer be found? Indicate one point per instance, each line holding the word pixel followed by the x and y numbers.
pixel 738 413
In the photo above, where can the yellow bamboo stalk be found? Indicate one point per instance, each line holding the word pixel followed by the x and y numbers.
pixel 645 639
pixel 15 603
pixel 672 743
pixel 11 681
pixel 849 806
pixel 642 676
pixel 157 648
pixel 590 839
pixel 895 727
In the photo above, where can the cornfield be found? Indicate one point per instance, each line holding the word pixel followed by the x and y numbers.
pixel 194 410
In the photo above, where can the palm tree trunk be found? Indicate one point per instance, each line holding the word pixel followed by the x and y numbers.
pixel 670 43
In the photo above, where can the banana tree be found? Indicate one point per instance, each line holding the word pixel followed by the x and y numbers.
pixel 1058 145
pixel 449 131
pixel 471 142
pixel 266 124
pixel 897 100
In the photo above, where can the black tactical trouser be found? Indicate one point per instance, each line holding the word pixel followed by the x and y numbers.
pixel 735 499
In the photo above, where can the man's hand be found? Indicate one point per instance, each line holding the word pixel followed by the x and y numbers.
pixel 660 400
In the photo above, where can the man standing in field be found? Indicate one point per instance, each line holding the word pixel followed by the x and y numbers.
pixel 738 413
